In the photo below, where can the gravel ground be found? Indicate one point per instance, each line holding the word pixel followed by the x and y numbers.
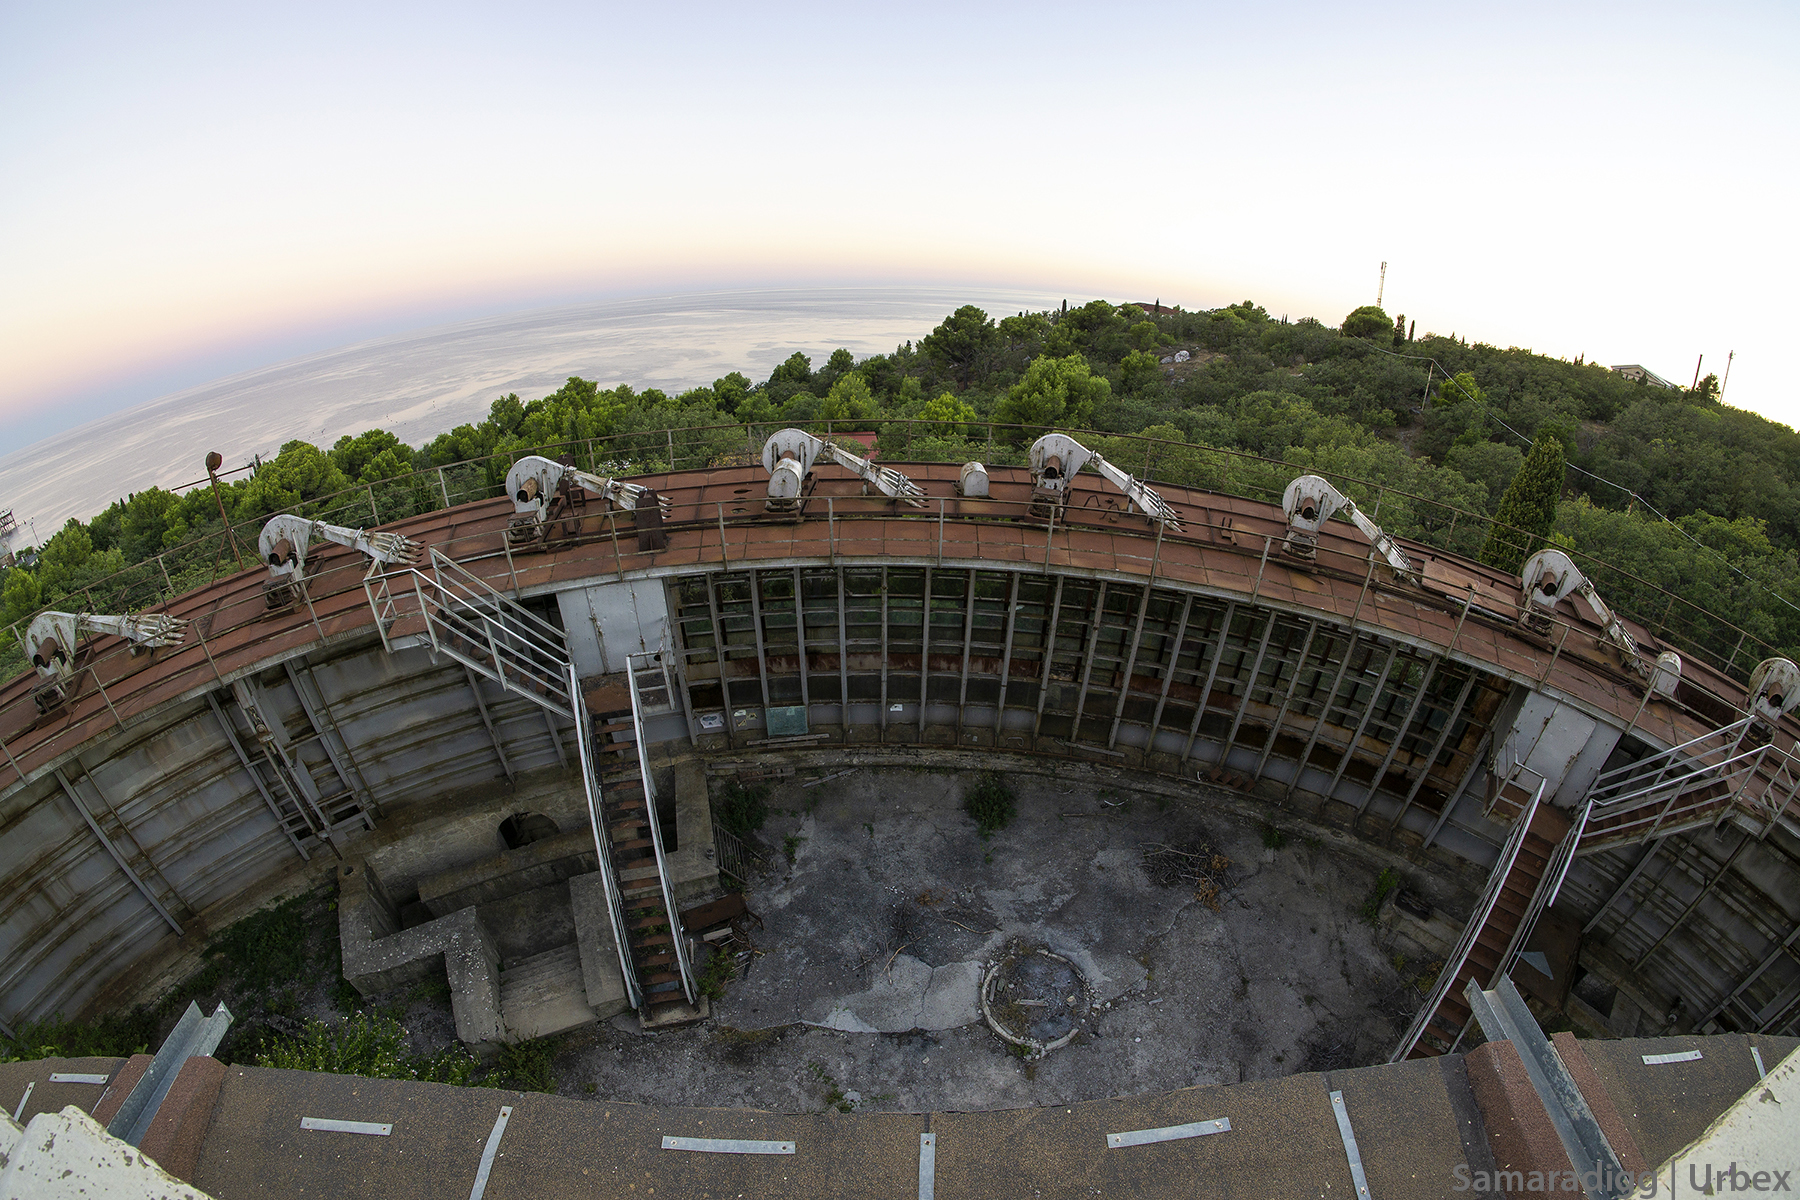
pixel 860 993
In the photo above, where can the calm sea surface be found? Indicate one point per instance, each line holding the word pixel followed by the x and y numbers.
pixel 422 383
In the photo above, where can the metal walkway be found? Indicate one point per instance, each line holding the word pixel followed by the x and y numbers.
pixel 452 612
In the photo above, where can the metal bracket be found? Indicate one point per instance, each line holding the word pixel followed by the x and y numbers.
pixel 193 1036
pixel 1504 1017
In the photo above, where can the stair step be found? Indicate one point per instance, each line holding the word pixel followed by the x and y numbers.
pixel 658 923
pixel 544 994
pixel 650 981
pixel 635 873
pixel 637 844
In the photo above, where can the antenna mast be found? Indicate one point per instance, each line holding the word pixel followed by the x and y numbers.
pixel 1381 290
pixel 1727 378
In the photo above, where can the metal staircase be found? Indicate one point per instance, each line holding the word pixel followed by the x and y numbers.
pixel 1696 783
pixel 454 613
pixel 461 615
pixel 1523 883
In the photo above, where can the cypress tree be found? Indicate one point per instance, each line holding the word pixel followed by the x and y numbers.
pixel 1528 508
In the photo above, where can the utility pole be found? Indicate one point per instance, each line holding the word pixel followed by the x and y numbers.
pixel 213 462
pixel 1727 378
pixel 1382 289
pixel 1697 363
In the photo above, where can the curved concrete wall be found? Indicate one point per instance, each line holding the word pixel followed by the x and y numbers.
pixel 151 804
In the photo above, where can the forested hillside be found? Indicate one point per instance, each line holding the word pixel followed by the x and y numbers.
pixel 1432 429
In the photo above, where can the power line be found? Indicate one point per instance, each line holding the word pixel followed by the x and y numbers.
pixel 1648 507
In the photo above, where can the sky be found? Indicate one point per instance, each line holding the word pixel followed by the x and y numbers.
pixel 188 190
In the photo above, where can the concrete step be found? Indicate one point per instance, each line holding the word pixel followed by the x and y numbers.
pixel 544 994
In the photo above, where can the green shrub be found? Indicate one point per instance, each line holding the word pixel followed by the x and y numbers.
pixel 1273 838
pixel 1385 884
pixel 739 810
pixel 990 803
pixel 371 1046
pixel 112 1036
pixel 525 1067
pixel 720 971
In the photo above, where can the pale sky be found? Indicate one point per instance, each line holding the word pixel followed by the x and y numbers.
pixel 188 190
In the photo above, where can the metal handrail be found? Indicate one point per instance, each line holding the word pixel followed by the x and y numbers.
pixel 615 902
pixel 1490 896
pixel 1636 770
pixel 676 933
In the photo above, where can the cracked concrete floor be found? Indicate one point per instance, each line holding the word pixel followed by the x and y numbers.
pixel 863 990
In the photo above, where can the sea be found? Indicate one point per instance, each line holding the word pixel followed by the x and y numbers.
pixel 426 381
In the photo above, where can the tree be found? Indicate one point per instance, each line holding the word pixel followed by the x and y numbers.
pixel 731 390
pixel 21 596
pixel 1459 388
pixel 1054 391
pixel 849 402
pixel 1399 331
pixel 288 482
pixel 961 340
pixel 1367 322
pixel 1527 511
pixel 1707 392
pixel 947 414
pixel 352 454
pixel 1139 371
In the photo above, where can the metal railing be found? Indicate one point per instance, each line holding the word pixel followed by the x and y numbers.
pixel 734 857
pixel 1490 896
pixel 464 617
pixel 615 901
pixel 677 936
pixel 1691 784
pixel 1693 629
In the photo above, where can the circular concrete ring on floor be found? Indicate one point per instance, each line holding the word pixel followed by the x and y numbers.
pixel 1035 999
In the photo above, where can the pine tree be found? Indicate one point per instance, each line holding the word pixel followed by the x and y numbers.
pixel 1528 509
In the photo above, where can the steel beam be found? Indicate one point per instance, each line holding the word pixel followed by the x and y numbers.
pixel 319 717
pixel 1475 765
pixel 925 645
pixel 1087 661
pixel 1312 630
pixel 487 720
pixel 1168 670
pixel 1437 748
pixel 1337 681
pixel 1211 673
pixel 1137 637
pixel 1362 723
pixel 762 651
pixel 1693 904
pixel 962 696
pixel 1037 725
pixel 1755 974
pixel 1012 612
pixel 94 826
pixel 800 644
pixel 1237 719
pixel 1412 710
pixel 1618 892
pixel 843 658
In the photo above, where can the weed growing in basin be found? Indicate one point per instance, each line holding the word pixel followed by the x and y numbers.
pixel 739 810
pixel 112 1036
pixel 790 846
pixel 1273 838
pixel 1385 885
pixel 367 1045
pixel 990 803
pixel 720 970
